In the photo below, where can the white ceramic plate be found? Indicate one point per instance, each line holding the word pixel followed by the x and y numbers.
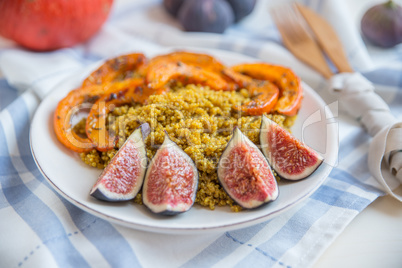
pixel 73 179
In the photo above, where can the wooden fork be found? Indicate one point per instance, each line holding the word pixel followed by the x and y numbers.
pixel 298 40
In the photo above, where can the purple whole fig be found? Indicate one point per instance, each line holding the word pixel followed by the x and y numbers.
pixel 242 8
pixel 173 6
pixel 382 24
pixel 212 16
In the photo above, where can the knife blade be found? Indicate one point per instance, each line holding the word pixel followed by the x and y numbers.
pixel 326 37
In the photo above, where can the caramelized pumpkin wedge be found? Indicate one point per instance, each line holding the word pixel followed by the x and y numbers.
pixel 64 112
pixel 290 89
pixel 78 100
pixel 96 130
pixel 166 71
pixel 264 94
pixel 114 68
pixel 199 60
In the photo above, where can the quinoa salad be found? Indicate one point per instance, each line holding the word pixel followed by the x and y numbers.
pixel 200 121
pixel 198 105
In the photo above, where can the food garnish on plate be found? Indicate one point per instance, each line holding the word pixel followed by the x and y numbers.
pixel 194 105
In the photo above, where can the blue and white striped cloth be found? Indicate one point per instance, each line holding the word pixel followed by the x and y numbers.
pixel 39 228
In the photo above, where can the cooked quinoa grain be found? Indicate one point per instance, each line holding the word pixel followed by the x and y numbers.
pixel 200 121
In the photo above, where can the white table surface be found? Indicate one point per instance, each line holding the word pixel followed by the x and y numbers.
pixel 374 237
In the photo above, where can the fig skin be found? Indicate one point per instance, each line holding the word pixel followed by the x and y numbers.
pixel 382 24
pixel 101 192
pixel 257 172
pixel 173 6
pixel 212 16
pixel 169 207
pixel 311 159
pixel 242 8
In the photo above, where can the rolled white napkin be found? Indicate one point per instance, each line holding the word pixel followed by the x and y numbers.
pixel 359 99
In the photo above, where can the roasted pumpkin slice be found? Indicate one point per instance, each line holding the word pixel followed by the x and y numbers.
pixel 96 130
pixel 64 112
pixel 167 71
pixel 264 94
pixel 290 89
pixel 199 60
pixel 78 100
pixel 118 67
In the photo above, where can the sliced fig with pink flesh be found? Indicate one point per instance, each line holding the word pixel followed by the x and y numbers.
pixel 171 180
pixel 289 157
pixel 245 174
pixel 122 179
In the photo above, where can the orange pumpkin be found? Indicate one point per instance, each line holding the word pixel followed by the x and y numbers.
pixel 51 24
